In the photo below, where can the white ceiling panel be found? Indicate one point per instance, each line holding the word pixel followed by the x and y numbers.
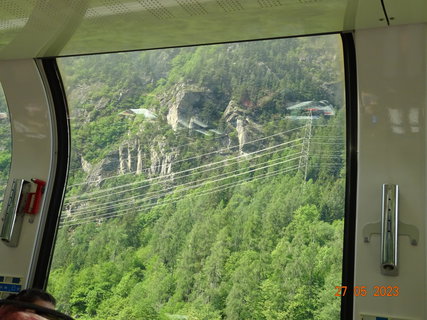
pixel 43 28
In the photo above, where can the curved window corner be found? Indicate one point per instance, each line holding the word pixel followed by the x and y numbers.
pixel 5 144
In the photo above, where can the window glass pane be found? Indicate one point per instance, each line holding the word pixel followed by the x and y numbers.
pixel 206 183
pixel 5 144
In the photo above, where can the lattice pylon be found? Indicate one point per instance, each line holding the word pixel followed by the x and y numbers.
pixel 305 149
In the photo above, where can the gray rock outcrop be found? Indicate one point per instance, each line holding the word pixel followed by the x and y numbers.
pixel 247 130
pixel 185 106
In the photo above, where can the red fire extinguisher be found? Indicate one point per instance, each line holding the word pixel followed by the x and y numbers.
pixel 32 204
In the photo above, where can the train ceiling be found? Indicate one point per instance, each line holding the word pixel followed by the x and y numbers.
pixel 46 28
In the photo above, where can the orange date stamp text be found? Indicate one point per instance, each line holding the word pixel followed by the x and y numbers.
pixel 362 291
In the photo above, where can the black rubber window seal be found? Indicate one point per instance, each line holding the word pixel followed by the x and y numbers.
pixel 57 92
pixel 349 52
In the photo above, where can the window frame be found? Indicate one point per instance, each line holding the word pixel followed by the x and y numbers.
pixel 56 90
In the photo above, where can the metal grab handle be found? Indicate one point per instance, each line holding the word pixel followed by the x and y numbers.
pixel 389 229
pixel 13 213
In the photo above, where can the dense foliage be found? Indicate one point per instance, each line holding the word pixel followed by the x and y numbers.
pixel 227 234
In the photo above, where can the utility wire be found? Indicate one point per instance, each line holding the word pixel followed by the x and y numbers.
pixel 162 194
pixel 187 175
pixel 148 207
pixel 183 171
pixel 327 143
pixel 184 176
pixel 174 186
pixel 86 220
pixel 93 207
pixel 191 158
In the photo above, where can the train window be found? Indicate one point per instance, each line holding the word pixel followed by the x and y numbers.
pixel 206 183
pixel 5 144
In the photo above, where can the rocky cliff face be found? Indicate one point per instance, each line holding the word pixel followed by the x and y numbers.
pixel 185 103
pixel 185 107
pixel 161 160
pixel 99 171
pixel 247 130
pixel 130 158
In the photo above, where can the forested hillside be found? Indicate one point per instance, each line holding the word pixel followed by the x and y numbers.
pixel 199 188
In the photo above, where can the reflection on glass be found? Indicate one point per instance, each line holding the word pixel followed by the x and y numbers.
pixel 5 144
pixel 206 183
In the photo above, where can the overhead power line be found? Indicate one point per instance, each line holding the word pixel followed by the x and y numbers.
pixel 175 200
pixel 158 181
pixel 86 195
pixel 190 158
pixel 229 174
pixel 205 182
pixel 150 206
